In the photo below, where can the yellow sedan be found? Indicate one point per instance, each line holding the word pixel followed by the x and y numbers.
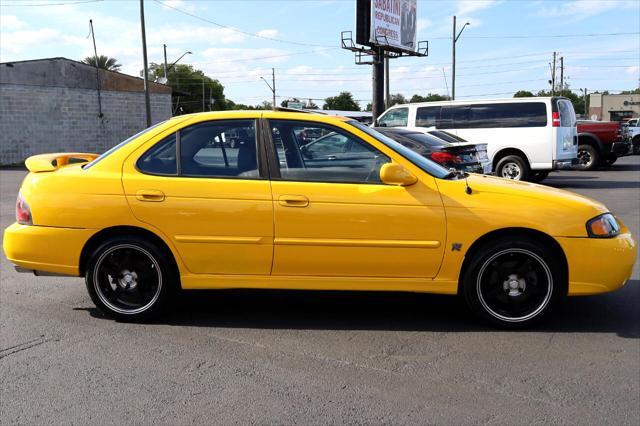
pixel 286 200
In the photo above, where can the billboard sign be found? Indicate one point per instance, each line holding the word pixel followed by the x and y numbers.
pixel 393 24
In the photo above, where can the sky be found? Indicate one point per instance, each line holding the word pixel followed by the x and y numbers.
pixel 507 46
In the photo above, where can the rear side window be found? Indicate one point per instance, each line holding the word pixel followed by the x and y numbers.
pixel 567 114
pixel 454 117
pixel 161 159
pixel 517 114
pixel 398 117
pixel 427 116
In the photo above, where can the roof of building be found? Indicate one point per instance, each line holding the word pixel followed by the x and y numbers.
pixel 67 73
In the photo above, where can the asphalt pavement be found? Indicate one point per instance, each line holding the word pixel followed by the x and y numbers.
pixel 315 358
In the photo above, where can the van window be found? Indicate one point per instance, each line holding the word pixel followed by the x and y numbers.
pixel 398 117
pixel 517 114
pixel 567 115
pixel 454 117
pixel 427 116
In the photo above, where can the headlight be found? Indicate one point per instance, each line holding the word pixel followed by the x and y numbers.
pixel 603 226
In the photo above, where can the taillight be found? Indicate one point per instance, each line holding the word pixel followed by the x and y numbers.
pixel 23 212
pixel 555 119
pixel 445 157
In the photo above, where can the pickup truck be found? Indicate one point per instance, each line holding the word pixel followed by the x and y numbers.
pixel 632 133
pixel 600 143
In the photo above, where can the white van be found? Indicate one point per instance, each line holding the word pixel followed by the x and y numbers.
pixel 526 137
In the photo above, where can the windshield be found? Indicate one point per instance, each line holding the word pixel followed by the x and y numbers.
pixel 428 166
pixel 121 144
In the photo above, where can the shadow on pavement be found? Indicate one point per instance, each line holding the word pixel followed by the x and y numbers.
pixel 321 310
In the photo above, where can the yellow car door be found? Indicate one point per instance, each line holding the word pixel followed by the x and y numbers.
pixel 206 189
pixel 333 215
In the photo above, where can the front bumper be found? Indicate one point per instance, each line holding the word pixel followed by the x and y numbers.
pixel 598 265
pixel 45 248
pixel 564 164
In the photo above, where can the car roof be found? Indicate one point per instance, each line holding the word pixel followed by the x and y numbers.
pixel 283 114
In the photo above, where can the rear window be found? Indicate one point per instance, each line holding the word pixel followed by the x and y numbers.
pixel 567 114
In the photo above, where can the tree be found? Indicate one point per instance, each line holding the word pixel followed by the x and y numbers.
pixel 369 107
pixel 631 92
pixel 396 99
pixel 188 83
pixel 576 100
pixel 311 105
pixel 523 94
pixel 431 97
pixel 343 102
pixel 104 62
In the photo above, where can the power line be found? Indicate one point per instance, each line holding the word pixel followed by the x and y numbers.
pixel 237 30
pixel 51 4
pixel 522 36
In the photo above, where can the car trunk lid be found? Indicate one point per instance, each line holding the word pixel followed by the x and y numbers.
pixel 52 162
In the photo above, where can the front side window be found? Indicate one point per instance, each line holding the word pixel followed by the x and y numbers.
pixel 317 152
pixel 398 117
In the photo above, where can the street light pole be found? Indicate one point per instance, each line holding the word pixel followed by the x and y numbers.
pixel 272 86
pixel 165 61
pixel 145 71
pixel 453 59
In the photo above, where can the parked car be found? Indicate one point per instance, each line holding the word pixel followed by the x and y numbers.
pixel 467 157
pixel 147 218
pixel 632 134
pixel 600 143
pixel 526 137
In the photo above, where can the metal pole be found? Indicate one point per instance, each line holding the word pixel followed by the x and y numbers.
pixel 202 94
pixel 387 97
pixel 95 52
pixel 561 74
pixel 273 87
pixel 165 60
pixel 553 76
pixel 453 62
pixel 586 112
pixel 145 71
pixel 378 85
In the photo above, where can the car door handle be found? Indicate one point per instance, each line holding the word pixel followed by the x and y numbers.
pixel 293 201
pixel 332 157
pixel 150 195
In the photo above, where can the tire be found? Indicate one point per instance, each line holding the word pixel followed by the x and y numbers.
pixel 635 144
pixel 588 158
pixel 513 167
pixel 498 282
pixel 131 279
pixel 538 176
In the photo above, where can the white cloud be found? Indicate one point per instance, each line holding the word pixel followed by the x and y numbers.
pixel 269 33
pixel 11 23
pixel 633 70
pixel 423 23
pixel 465 7
pixel 183 34
pixel 178 4
pixel 577 10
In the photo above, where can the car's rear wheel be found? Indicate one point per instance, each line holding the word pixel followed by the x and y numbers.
pixel 512 167
pixel 512 282
pixel 130 278
pixel 588 158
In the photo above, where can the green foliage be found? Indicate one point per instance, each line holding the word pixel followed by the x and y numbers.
pixel 631 92
pixel 396 99
pixel 343 102
pixel 369 107
pixel 104 62
pixel 187 83
pixel 576 100
pixel 523 94
pixel 431 97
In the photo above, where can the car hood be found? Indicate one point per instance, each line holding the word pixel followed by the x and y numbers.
pixel 555 211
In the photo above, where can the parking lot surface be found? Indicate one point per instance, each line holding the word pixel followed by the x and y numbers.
pixel 310 357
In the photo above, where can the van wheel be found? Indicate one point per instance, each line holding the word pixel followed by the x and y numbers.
pixel 130 279
pixel 588 158
pixel 512 282
pixel 512 167
pixel 538 176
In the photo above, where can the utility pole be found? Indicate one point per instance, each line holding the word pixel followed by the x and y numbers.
pixel 273 81
pixel 145 71
pixel 387 97
pixel 95 52
pixel 202 94
pixel 454 39
pixel 561 74
pixel 377 79
pixel 584 91
pixel 553 76
pixel 165 61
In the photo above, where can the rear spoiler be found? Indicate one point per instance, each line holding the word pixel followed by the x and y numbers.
pixel 52 162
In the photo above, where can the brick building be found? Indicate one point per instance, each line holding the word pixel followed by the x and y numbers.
pixel 51 105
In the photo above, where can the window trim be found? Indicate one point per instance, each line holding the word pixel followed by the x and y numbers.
pixel 263 171
pixel 274 164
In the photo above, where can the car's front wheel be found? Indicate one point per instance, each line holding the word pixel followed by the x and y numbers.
pixel 130 278
pixel 512 282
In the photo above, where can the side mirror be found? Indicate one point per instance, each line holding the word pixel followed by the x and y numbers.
pixel 395 174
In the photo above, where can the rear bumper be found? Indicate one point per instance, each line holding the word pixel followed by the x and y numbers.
pixel 564 164
pixel 44 248
pixel 598 265
pixel 621 148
